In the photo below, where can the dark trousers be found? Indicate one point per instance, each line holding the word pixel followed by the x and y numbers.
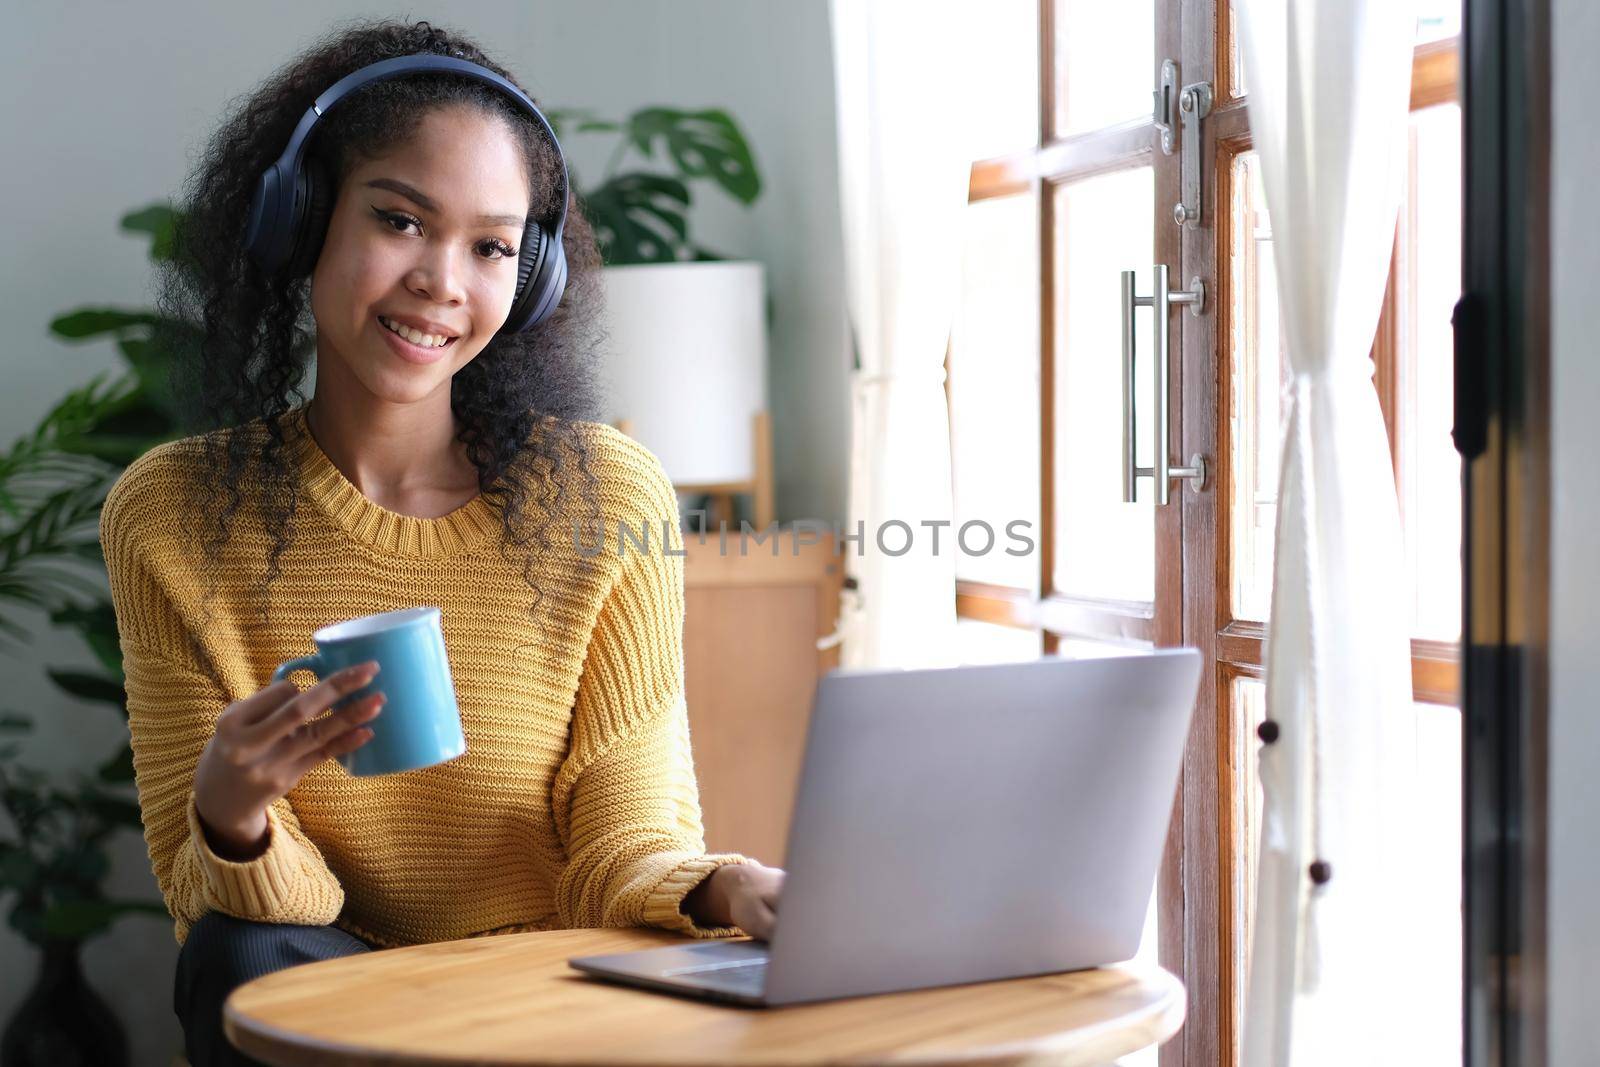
pixel 222 953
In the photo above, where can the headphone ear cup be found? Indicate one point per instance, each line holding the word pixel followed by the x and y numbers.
pixel 530 265
pixel 533 242
pixel 546 283
pixel 313 208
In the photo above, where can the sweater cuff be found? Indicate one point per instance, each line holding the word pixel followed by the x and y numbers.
pixel 253 889
pixel 664 905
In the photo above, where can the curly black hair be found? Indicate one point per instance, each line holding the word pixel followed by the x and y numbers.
pixel 241 338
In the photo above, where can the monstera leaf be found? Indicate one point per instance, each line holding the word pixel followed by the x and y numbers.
pixel 640 218
pixel 704 144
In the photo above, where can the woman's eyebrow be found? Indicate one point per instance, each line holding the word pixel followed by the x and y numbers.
pixel 422 200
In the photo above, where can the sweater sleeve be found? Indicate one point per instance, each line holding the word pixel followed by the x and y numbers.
pixel 173 706
pixel 172 712
pixel 625 799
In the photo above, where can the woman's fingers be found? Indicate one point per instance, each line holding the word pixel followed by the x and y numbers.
pixel 263 702
pixel 348 741
pixel 770 894
pixel 308 738
pixel 765 922
pixel 258 738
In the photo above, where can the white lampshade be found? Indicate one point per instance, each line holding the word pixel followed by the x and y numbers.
pixel 686 363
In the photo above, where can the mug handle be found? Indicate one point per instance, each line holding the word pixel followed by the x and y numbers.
pixel 304 663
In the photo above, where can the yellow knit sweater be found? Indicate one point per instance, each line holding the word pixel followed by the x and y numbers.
pixel 575 804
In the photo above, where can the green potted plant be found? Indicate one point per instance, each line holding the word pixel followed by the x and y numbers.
pixel 53 866
pixel 641 216
pixel 53 859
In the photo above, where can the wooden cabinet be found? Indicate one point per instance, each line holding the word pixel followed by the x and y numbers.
pixel 752 617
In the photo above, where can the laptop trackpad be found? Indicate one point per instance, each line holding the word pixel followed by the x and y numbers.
pixel 735 966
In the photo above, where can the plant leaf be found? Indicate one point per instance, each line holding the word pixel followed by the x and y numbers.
pixel 703 144
pixel 76 920
pixel 639 218
pixel 157 220
pixel 114 810
pixel 119 768
pixel 96 623
pixel 88 686
pixel 18 868
pixel 558 117
pixel 92 322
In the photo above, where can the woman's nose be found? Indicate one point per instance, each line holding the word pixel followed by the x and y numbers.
pixel 439 277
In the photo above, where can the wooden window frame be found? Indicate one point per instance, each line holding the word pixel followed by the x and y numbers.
pixel 1435 72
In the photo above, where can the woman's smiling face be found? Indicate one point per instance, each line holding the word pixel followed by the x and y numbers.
pixel 424 237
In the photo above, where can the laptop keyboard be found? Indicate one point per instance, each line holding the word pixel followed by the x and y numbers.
pixel 740 976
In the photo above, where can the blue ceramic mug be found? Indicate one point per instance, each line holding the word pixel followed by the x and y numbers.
pixel 420 724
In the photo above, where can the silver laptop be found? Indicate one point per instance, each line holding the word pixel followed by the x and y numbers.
pixel 955 825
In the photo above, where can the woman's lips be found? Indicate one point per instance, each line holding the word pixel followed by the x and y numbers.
pixel 408 351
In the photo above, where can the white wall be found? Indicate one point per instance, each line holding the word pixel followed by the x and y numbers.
pixel 1575 603
pixel 103 103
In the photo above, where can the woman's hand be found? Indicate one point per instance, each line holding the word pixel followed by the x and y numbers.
pixel 738 894
pixel 262 747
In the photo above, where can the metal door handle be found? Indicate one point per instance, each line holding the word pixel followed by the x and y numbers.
pixel 1161 300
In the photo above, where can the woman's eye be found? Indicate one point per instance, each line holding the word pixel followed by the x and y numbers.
pixel 392 217
pixel 493 250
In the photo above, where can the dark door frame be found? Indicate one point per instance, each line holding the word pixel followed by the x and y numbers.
pixel 1502 430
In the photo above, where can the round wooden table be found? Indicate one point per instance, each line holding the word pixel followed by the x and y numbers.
pixel 512 999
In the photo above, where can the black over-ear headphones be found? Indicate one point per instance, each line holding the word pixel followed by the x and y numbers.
pixel 294 196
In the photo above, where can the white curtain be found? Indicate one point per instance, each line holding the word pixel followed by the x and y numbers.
pixel 903 175
pixel 1332 968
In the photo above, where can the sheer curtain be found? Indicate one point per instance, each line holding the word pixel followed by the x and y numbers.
pixel 1330 968
pixel 903 175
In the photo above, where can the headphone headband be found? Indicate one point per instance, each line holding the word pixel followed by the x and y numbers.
pixel 283 196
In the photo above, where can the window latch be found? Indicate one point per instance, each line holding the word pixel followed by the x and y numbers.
pixel 1178 113
pixel 1166 105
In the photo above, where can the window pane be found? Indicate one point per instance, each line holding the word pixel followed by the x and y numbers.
pixel 1432 820
pixel 1248 709
pixel 1105 63
pixel 1073 647
pixel 1430 468
pixel 1104 549
pixel 1258 370
pixel 1235 60
pixel 1435 824
pixel 986 642
pixel 994 393
pixel 1002 48
pixel 1438 19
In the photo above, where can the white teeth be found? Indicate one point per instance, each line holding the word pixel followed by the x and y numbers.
pixel 416 337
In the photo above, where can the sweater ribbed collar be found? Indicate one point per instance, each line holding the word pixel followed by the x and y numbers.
pixel 372 524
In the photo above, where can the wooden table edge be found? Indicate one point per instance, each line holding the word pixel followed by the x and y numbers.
pixel 1095 1044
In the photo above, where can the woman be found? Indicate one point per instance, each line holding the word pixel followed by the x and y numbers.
pixel 440 460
